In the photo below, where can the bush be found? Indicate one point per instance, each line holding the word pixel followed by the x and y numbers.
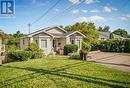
pixel 112 45
pixel 74 55
pixel 19 55
pixel 36 51
pixel 70 48
pixel 86 47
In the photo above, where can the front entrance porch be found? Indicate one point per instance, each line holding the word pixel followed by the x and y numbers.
pixel 58 45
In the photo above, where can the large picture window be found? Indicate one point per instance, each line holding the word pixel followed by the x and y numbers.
pixel 72 41
pixel 78 43
pixel 44 43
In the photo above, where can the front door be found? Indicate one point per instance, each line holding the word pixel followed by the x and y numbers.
pixel 54 45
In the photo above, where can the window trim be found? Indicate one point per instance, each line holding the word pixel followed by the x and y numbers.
pixel 43 41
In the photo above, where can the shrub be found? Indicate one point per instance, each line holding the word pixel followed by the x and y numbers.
pixel 74 55
pixel 112 45
pixel 19 55
pixel 36 51
pixel 70 48
pixel 86 47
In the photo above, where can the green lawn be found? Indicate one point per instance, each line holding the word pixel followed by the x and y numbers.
pixel 60 73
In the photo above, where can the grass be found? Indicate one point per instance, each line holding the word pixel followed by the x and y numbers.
pixel 61 73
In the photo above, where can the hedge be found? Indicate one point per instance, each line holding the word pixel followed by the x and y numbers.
pixel 113 46
pixel 70 48
pixel 19 55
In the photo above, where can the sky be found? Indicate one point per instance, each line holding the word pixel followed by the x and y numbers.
pixel 113 13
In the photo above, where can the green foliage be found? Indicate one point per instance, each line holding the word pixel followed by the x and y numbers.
pixel 12 41
pixel 19 55
pixel 74 55
pixel 86 47
pixel 121 32
pixel 104 29
pixel 111 36
pixel 88 29
pixel 114 46
pixel 70 48
pixel 37 52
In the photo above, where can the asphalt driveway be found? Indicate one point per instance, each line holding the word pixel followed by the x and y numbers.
pixel 114 60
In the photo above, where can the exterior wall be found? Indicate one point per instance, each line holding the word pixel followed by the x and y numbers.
pixel 55 30
pixel 75 38
pixel 43 36
pixel 24 43
pixel 0 43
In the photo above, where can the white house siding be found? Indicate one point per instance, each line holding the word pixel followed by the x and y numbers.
pixel 75 38
pixel 24 43
pixel 44 37
pixel 0 43
pixel 55 30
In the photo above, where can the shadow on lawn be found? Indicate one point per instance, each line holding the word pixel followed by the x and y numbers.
pixel 59 71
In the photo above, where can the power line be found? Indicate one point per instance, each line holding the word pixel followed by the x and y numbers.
pixel 68 8
pixel 46 12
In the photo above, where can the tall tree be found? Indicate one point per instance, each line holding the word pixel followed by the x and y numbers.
pixel 104 29
pixel 111 36
pixel 121 32
pixel 12 41
pixel 87 29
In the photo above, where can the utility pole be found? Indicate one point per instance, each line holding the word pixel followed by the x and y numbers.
pixel 29 28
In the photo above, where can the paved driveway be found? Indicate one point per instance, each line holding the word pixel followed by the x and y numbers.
pixel 117 61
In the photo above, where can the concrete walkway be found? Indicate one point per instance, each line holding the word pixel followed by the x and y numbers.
pixel 117 61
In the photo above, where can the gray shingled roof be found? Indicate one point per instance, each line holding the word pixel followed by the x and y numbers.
pixel 106 35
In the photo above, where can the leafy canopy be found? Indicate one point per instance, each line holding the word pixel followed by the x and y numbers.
pixel 88 29
pixel 121 32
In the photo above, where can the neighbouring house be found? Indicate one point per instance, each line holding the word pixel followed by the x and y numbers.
pixel 52 39
pixel 105 36
pixel 2 46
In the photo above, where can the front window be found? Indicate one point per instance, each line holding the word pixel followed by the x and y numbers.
pixel 78 43
pixel 72 41
pixel 44 43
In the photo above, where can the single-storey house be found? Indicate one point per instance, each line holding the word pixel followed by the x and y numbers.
pixel 52 39
pixel 105 36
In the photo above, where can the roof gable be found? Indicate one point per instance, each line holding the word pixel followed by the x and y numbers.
pixel 46 30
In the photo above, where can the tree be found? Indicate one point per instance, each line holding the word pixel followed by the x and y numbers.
pixel 104 29
pixel 12 41
pixel 111 36
pixel 88 29
pixel 121 32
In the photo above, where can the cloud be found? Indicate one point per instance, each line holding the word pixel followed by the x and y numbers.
pixel 75 11
pixel 91 1
pixel 123 18
pixel 84 11
pixel 81 19
pixel 91 18
pixel 109 9
pixel 34 1
pixel 96 18
pixel 128 15
pixel 94 11
pixel 74 1
pixel 56 10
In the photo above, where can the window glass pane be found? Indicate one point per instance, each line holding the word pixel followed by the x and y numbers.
pixel 72 41
pixel 78 43
pixel 44 43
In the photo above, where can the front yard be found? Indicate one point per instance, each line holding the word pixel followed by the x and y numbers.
pixel 60 73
